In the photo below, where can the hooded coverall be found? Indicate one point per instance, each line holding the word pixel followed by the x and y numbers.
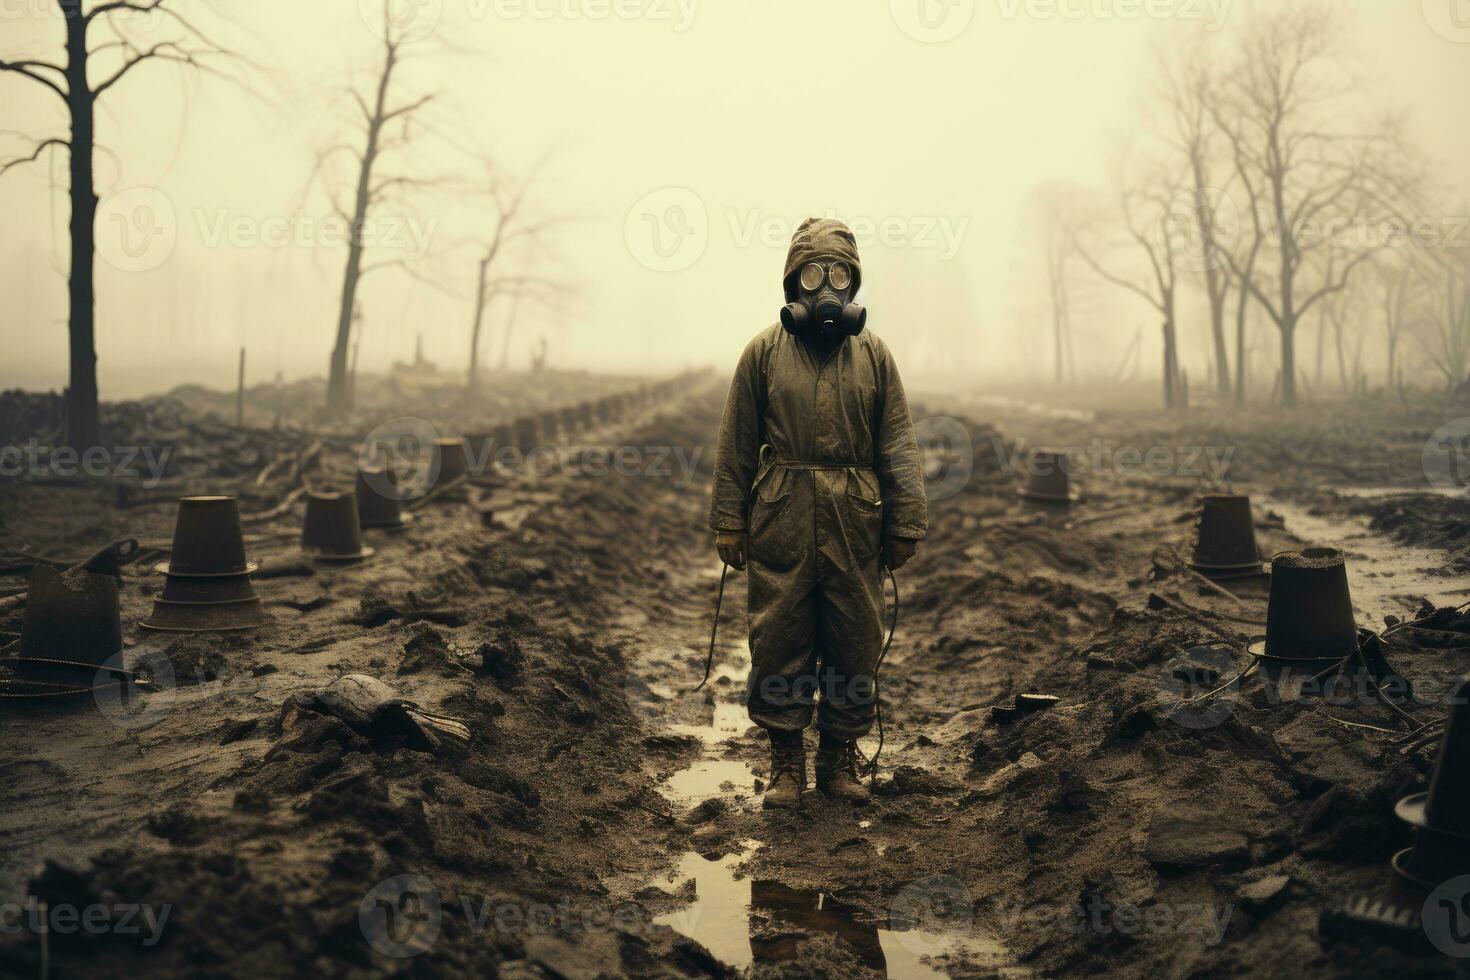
pixel 816 463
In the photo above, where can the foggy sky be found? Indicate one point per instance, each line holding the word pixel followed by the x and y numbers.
pixel 744 116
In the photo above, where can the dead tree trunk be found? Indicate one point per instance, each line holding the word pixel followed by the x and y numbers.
pixel 338 397
pixel 472 381
pixel 81 394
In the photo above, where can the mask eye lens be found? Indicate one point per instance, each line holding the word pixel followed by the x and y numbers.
pixel 811 276
pixel 839 276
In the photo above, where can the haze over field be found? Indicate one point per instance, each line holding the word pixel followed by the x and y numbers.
pixel 686 139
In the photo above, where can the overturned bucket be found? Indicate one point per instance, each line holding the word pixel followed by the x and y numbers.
pixel 208 587
pixel 1309 616
pixel 378 503
pixel 1047 478
pixel 72 629
pixel 1225 537
pixel 331 531
pixel 1440 817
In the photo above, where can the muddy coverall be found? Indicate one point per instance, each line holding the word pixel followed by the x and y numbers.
pixel 816 462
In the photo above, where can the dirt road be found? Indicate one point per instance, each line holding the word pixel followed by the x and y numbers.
pixel 605 820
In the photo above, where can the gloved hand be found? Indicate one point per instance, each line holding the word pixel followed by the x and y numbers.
pixel 898 552
pixel 731 546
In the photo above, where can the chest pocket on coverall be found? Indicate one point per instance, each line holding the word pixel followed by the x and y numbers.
pixel 864 513
pixel 777 533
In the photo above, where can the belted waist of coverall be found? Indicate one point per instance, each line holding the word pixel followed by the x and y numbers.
pixel 768 457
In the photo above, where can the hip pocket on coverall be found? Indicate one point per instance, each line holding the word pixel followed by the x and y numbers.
pixel 775 531
pixel 864 513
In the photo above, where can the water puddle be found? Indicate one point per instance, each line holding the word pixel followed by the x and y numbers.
pixel 714 775
pixel 1385 578
pixel 1373 493
pixel 752 922
pixel 1007 403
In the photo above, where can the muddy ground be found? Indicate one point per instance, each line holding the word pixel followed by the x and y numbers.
pixel 603 820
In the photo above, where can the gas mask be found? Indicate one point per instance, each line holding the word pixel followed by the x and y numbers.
pixel 824 301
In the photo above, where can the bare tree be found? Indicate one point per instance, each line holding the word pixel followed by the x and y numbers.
pixel 1446 339
pixel 1309 171
pixel 102 39
pixel 1145 201
pixel 1056 207
pixel 516 228
pixel 1186 82
pixel 386 127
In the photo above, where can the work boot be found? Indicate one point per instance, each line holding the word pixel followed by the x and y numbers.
pixel 837 770
pixel 788 771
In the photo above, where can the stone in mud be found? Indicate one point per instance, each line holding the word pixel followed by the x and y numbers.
pixel 914 781
pixel 706 811
pixel 1261 893
pixel 1179 844
pixel 1346 823
pixel 426 649
pixel 373 611
pixel 1002 779
pixel 503 660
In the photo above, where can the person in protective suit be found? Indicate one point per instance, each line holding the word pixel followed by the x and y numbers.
pixel 818 485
